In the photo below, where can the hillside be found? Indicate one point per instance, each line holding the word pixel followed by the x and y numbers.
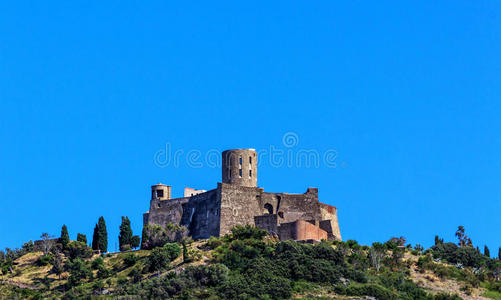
pixel 250 265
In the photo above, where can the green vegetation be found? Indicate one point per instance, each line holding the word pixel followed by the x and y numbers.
pixel 126 239
pixel 65 237
pixel 100 236
pixel 248 264
pixel 156 236
pixel 81 238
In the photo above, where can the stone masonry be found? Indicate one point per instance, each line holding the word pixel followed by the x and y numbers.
pixel 238 201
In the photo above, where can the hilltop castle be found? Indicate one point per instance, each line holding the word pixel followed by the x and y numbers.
pixel 238 201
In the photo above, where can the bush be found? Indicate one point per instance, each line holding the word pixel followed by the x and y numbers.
pixel 135 274
pixel 103 272
pixel 28 247
pixel 214 242
pixel 204 275
pixel 443 296
pixel 467 256
pixel 352 244
pixel 190 254
pixel 240 232
pixel 399 282
pixel 130 260
pixel 78 270
pixel 82 238
pixel 424 261
pixel 373 290
pixel 262 287
pixel 122 280
pixel 97 263
pixel 160 257
pixel 45 260
pixel 494 286
pixel 77 249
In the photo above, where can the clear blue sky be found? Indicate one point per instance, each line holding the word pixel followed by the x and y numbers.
pixel 408 95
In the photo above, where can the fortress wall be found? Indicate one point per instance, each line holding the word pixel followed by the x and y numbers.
pixel 301 230
pixel 165 211
pixel 329 212
pixel 286 231
pixel 292 207
pixel 201 214
pixel 306 231
pixel 268 223
pixel 238 205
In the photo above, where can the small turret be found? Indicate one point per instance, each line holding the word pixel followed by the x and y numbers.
pixel 160 192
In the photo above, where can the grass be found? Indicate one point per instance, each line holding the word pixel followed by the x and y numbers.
pixel 492 294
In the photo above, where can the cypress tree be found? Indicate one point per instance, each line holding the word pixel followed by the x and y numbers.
pixel 136 241
pixel 82 238
pixel 65 237
pixel 486 251
pixel 145 239
pixel 95 238
pixel 102 235
pixel 125 237
pixel 499 253
pixel 438 240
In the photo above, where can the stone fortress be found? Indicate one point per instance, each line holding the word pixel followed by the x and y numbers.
pixel 239 201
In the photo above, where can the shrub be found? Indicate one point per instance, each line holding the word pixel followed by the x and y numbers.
pixel 130 260
pixel 373 290
pixel 301 287
pixel 122 280
pixel 173 250
pixel 453 254
pixel 423 261
pixel 103 272
pixel 97 263
pixel 443 296
pixel 494 286
pixel 190 254
pixel 240 232
pixel 135 274
pixel 160 257
pixel 28 247
pixel 77 249
pixel 214 242
pixel 351 243
pixel 204 275
pixel 45 260
pixel 262 287
pixel 82 238
pixel 78 270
